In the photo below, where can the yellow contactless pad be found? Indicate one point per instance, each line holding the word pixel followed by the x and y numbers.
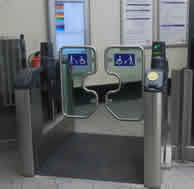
pixel 153 76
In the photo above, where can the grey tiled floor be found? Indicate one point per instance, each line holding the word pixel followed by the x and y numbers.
pixel 179 177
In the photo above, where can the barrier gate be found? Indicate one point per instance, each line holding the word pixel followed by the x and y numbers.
pixel 38 138
pixel 126 64
pixel 78 63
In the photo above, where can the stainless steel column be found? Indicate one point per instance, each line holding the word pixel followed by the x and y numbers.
pixel 186 129
pixel 175 109
pixel 181 114
pixel 152 139
pixel 24 122
pixel 166 146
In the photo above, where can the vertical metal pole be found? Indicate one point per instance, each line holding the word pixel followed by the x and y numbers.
pixel 186 111
pixel 7 66
pixel 3 73
pixel 156 20
pixel 175 110
pixel 23 117
pixel 166 132
pixel 152 139
pixel 181 110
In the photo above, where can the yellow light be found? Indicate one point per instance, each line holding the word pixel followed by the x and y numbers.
pixel 153 76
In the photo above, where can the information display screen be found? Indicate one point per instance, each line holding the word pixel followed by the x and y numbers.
pixel 70 26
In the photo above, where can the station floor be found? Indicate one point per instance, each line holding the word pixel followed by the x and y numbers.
pixel 97 157
pixel 179 177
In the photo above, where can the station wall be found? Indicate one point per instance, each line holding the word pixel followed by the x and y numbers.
pixel 30 18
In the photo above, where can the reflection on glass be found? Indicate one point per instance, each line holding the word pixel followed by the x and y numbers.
pixel 76 64
pixel 128 64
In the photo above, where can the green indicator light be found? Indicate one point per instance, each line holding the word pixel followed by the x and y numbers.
pixel 156 46
pixel 156 53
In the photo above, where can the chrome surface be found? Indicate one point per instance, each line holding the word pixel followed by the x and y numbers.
pixel 186 127
pixel 23 116
pixel 181 111
pixel 175 108
pixel 152 139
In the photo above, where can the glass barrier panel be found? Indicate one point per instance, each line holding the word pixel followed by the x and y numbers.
pixel 127 64
pixel 77 63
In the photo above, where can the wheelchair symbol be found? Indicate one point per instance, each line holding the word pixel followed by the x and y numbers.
pixel 77 60
pixel 120 61
pixel 82 61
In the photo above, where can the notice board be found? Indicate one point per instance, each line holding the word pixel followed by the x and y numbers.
pixel 136 22
pixel 173 21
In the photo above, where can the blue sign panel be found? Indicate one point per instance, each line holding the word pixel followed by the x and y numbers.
pixel 124 60
pixel 78 59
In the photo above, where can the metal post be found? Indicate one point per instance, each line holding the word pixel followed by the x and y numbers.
pixel 175 109
pixel 152 139
pixel 186 126
pixel 23 115
pixel 166 132
pixel 181 114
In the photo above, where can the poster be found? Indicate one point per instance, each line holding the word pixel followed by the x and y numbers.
pixel 173 21
pixel 137 22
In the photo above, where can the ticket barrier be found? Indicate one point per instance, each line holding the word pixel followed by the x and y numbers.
pixel 12 61
pixel 155 121
pixel 40 136
pixel 31 90
pixel 42 127
pixel 123 63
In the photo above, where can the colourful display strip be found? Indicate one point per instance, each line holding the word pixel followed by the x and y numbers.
pixel 60 26
pixel 59 19
pixel 59 10
pixel 59 23
pixel 60 14
pixel 60 6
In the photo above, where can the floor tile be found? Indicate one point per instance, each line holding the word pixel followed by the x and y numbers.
pixel 75 185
